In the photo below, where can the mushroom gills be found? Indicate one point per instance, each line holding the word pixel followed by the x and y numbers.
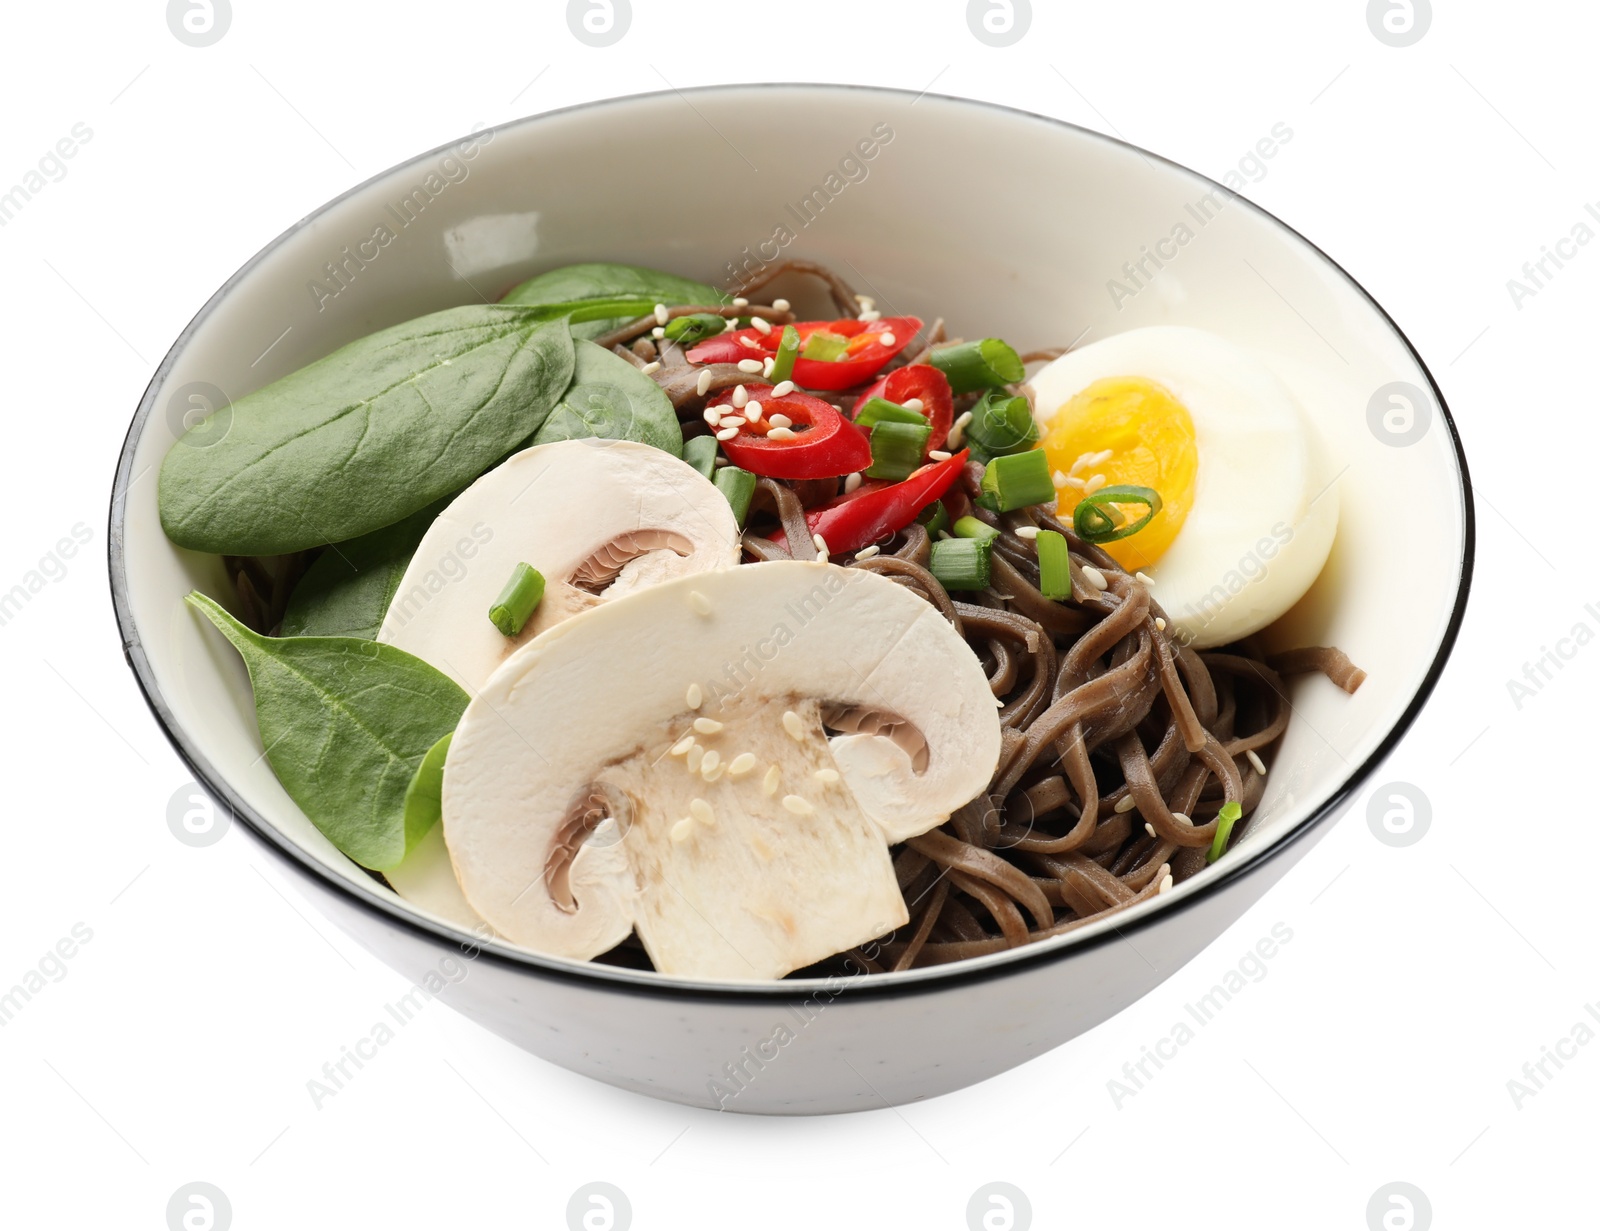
pixel 631 561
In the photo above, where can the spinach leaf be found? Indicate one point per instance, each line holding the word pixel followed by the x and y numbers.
pixel 612 399
pixel 425 795
pixel 346 724
pixel 346 592
pixel 367 435
pixel 603 280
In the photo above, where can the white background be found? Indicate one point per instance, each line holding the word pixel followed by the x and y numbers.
pixel 1379 1045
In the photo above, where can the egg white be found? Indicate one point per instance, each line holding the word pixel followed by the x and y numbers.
pixel 1266 504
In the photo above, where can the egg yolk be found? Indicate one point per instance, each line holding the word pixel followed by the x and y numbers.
pixel 1129 430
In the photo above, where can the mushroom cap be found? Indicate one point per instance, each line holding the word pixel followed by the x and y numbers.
pixel 599 703
pixel 598 518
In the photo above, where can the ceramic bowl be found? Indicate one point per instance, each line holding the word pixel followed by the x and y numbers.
pixel 1090 237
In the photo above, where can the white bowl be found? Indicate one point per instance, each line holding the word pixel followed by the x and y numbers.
pixel 1005 223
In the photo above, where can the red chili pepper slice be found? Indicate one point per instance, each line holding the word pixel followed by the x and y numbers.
pixel 825 444
pixel 865 350
pixel 850 522
pixel 924 382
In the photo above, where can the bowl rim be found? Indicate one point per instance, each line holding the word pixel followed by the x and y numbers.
pixel 627 981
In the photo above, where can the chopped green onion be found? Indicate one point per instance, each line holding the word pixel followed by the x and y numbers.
pixel 880 410
pixel 897 450
pixel 824 346
pixel 1055 566
pixel 934 518
pixel 1013 480
pixel 984 364
pixel 1097 520
pixel 1001 424
pixel 1231 812
pixel 693 328
pixel 783 361
pixel 972 528
pixel 701 453
pixel 517 601
pixel 738 486
pixel 960 564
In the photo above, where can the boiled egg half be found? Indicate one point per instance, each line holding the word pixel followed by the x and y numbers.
pixel 1249 499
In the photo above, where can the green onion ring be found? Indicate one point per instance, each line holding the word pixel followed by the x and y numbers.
pixel 1096 524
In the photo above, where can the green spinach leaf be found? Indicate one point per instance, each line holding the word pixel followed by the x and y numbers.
pixel 347 725
pixel 604 280
pixel 367 435
pixel 425 795
pixel 346 592
pixel 612 399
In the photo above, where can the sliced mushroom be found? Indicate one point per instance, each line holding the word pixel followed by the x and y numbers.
pixel 743 840
pixel 598 518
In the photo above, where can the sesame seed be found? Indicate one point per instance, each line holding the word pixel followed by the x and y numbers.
pixel 1182 818
pixel 711 773
pixel 651 368
pixel 681 830
pixel 1027 532
pixel 1256 762
pixel 769 784
pixel 958 429
pixel 699 602
pixel 783 388
pixel 731 421
pixel 1127 803
pixel 829 776
pixel 741 302
pixel 780 433
pixel 730 325
pixel 750 342
pixel 1101 458
pixel 658 332
pixel 749 365
pixel 866 301
pixel 701 811
pixel 939 455
pixel 693 696
pixel 793 725
pixel 886 338
pixel 1094 484
pixel 1145 578
pixel 1161 625
pixel 702 384
pixel 913 404
pixel 852 481
pixel 727 433
pixel 1166 883
pixel 780 420
pixel 870 315
pixel 707 726
pixel 781 305
pixel 661 314
pixel 999 703
pixel 820 543
pixel 1150 829
pixel 761 325
pixel 867 552
pixel 741 396
pixel 696 754
pixel 1074 481
pixel 711 765
pixel 1058 479
pixel 752 411
pixel 741 764
pixel 712 415
pixel 767 365
pixel 1095 577
pixel 798 804
pixel 682 746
